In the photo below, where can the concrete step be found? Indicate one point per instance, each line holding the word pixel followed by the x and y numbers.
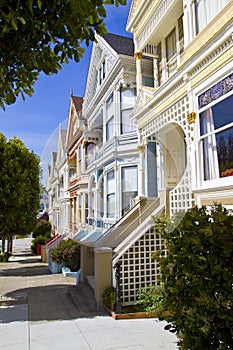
pixel 83 298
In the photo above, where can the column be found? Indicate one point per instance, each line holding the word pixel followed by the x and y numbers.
pixel 138 57
pixel 71 213
pixel 86 263
pixel 156 72
pixel 151 162
pixel 141 174
pixel 164 61
pixel 90 204
pixel 99 221
pixel 102 272
pixel 83 161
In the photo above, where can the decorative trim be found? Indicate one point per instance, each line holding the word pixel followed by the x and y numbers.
pixel 138 55
pixel 141 148
pixel 212 94
pixel 191 117
pixel 211 63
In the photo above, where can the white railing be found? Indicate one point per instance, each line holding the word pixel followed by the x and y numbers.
pixel 157 16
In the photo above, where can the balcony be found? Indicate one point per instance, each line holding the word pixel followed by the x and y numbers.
pixel 77 181
pixel 117 146
pixel 160 22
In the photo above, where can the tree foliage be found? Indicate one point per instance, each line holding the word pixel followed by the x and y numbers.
pixel 197 276
pixel 19 188
pixel 40 36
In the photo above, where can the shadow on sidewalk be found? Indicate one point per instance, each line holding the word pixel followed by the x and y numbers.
pixel 26 271
pixel 49 303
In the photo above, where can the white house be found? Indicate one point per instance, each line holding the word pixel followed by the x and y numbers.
pixel 187 113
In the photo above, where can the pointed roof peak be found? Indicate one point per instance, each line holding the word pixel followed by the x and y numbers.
pixel 78 102
pixel 121 44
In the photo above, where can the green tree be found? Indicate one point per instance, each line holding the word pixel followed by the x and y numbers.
pixel 40 36
pixel 197 278
pixel 19 189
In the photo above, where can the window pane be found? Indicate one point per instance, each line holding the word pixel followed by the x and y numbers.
pixel 171 44
pixel 217 116
pixel 129 187
pixel 128 201
pixel 225 152
pixel 110 129
pixel 111 181
pixel 129 178
pixel 127 124
pixel 217 147
pixel 218 155
pixel 111 205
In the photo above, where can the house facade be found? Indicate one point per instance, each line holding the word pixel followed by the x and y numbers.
pixel 187 113
pixel 57 187
pixel 76 158
pixel 111 154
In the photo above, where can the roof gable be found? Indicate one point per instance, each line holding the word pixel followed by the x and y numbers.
pixel 61 153
pixel 121 44
pixel 76 122
pixel 107 49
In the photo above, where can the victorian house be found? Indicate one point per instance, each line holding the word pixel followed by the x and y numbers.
pixel 51 188
pixel 57 185
pixel 187 113
pixel 116 214
pixel 76 147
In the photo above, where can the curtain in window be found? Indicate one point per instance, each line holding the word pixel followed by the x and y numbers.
pixel 210 155
pixel 206 10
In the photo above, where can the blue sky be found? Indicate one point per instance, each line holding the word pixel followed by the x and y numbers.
pixel 36 120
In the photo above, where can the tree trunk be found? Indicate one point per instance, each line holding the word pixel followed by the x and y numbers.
pixel 3 244
pixel 9 244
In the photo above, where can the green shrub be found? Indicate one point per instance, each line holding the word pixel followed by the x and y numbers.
pixel 109 297
pixel 68 253
pixel 4 257
pixel 197 278
pixel 41 240
pixel 150 299
pixel 43 229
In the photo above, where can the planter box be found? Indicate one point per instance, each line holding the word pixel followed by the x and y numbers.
pixel 133 315
pixel 55 268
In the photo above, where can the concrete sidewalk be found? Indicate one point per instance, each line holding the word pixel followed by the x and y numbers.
pixel 39 311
